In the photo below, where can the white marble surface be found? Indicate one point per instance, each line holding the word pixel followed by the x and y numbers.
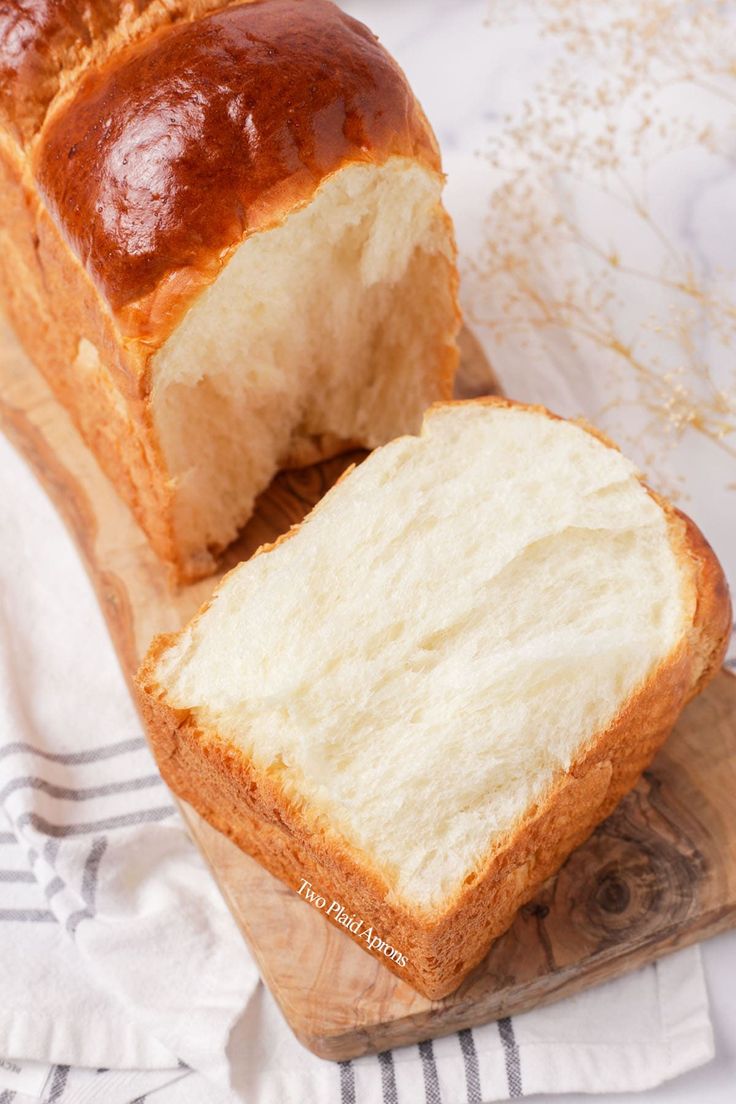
pixel 622 305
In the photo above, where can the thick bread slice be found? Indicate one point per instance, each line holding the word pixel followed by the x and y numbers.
pixel 425 696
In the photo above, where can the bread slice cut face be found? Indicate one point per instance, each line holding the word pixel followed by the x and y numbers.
pixel 336 326
pixel 437 686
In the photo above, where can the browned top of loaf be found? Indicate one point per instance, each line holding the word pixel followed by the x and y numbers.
pixel 166 157
pixel 45 43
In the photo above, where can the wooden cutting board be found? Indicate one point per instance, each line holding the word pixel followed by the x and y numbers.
pixel 659 874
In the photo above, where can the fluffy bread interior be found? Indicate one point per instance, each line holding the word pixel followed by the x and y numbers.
pixel 445 633
pixel 338 323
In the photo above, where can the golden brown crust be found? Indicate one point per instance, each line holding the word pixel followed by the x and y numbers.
pixel 46 45
pixel 53 307
pixel 250 806
pixel 713 619
pixel 244 112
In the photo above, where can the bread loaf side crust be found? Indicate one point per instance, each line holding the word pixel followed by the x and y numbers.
pixel 55 309
pixel 250 806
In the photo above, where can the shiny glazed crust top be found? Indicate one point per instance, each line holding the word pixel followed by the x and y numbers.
pixel 165 158
pixel 46 44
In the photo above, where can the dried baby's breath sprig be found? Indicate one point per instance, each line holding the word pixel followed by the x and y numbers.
pixel 629 88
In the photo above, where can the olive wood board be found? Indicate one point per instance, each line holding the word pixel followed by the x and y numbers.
pixel 659 874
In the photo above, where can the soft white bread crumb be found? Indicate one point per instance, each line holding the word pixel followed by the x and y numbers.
pixel 442 635
pixel 338 321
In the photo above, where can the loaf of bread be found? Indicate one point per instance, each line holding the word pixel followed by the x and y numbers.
pixel 417 703
pixel 222 241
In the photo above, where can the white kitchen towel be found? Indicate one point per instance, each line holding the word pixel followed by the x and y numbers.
pixel 117 952
pixel 116 948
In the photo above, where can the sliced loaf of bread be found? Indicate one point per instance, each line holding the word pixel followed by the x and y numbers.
pixel 420 700
pixel 222 242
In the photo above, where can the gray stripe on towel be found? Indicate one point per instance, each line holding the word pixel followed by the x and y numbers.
pixel 141 816
pixel 93 755
pixel 429 1069
pixel 388 1077
pixel 347 1082
pixel 512 1058
pixel 26 916
pixel 53 887
pixel 50 851
pixel 68 794
pixel 89 884
pixel 470 1060
pixel 58 1084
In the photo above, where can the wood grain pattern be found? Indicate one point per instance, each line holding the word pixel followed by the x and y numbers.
pixel 660 873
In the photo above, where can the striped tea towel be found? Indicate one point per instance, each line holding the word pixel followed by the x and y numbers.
pixel 122 975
